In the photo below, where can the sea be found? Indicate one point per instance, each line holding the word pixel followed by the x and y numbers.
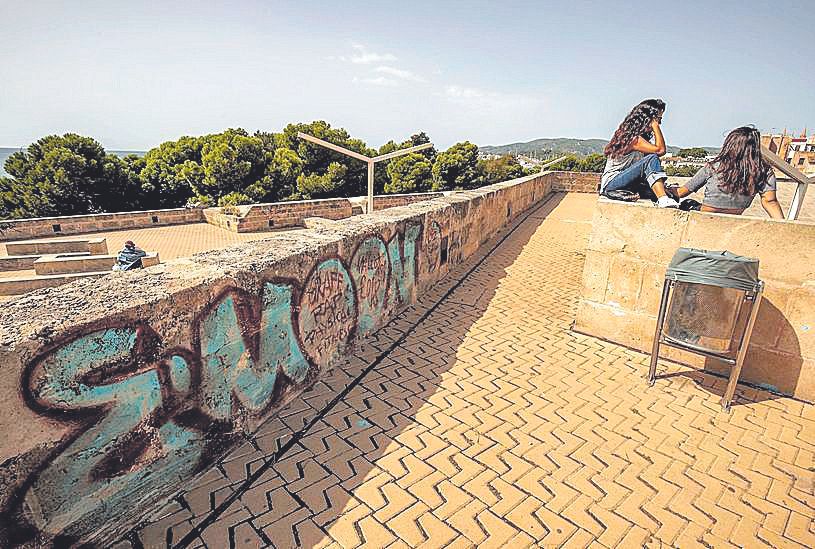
pixel 5 152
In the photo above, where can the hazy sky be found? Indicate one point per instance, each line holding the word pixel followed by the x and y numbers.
pixel 133 74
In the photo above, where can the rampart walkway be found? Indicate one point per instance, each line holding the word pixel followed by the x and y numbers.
pixel 481 419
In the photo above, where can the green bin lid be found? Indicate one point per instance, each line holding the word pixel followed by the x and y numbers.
pixel 723 269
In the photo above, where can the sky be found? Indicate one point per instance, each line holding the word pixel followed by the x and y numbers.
pixel 134 74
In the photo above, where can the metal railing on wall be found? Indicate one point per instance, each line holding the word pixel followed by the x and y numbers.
pixel 793 173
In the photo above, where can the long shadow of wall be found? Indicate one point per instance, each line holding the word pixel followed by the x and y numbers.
pixel 296 475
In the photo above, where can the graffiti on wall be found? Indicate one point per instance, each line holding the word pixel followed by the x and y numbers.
pixel 144 418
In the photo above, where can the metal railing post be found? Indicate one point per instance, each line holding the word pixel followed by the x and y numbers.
pixel 370 186
pixel 367 159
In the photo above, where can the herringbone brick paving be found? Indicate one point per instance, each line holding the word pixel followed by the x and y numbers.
pixel 493 425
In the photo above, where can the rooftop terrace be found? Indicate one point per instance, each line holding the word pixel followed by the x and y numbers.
pixel 477 417
pixel 409 378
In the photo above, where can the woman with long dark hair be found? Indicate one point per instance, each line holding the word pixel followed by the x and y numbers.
pixel 633 160
pixel 735 177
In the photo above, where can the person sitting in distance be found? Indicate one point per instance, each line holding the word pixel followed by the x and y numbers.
pixel 633 160
pixel 129 258
pixel 735 176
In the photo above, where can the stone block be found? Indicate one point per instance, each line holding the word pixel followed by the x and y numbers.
pixel 18 286
pixel 644 232
pixel 624 282
pixel 17 262
pixel 66 264
pixel 595 276
pixel 771 323
pixel 623 326
pixel 784 248
pixel 631 246
pixel 801 318
pixel 653 280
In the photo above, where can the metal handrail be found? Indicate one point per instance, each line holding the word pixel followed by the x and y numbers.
pixel 793 173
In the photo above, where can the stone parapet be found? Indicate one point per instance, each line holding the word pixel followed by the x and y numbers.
pixel 630 248
pixel 80 224
pixel 119 389
pixel 576 182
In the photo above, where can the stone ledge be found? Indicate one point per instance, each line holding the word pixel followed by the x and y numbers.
pixel 630 247
pixel 221 340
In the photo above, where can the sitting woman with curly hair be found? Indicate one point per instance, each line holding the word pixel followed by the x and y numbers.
pixel 633 160
pixel 735 177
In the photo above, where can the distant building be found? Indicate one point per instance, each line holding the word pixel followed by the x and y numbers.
pixel 796 151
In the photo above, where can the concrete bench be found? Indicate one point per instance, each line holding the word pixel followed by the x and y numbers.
pixel 64 263
pixel 17 286
pixel 93 246
pixel 25 262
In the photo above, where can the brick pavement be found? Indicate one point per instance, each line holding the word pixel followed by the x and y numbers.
pixel 490 424
pixel 170 241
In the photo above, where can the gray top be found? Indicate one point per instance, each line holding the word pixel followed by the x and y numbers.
pixel 717 198
pixel 723 269
pixel 616 165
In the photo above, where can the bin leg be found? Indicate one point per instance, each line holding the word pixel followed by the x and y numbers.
pixel 663 307
pixel 735 371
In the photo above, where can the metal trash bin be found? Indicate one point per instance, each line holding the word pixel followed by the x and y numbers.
pixel 709 304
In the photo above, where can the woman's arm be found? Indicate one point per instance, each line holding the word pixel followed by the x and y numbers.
pixel 770 204
pixel 696 182
pixel 657 147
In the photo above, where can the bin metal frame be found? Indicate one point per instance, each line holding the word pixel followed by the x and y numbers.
pixel 734 360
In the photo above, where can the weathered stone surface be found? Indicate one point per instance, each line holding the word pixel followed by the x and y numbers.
pixel 630 248
pixel 783 247
pixel 136 382
pixel 78 224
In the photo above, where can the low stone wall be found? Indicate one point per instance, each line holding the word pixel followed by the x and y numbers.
pixel 398 200
pixel 74 263
pixel 276 215
pixel 265 217
pixel 630 248
pixel 576 182
pixel 80 224
pixel 92 246
pixel 25 284
pixel 17 262
pixel 118 390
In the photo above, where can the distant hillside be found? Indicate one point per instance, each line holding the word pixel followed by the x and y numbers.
pixel 553 145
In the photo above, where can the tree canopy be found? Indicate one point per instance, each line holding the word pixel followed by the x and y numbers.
pixel 68 175
pixel 457 168
pixel 574 163
pixel 693 152
pixel 72 174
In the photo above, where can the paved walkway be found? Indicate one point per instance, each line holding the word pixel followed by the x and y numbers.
pixel 170 241
pixel 490 424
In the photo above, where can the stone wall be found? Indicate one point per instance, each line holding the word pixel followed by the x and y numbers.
pixel 630 248
pixel 248 218
pixel 118 390
pixel 398 200
pixel 576 182
pixel 80 224
pixel 276 215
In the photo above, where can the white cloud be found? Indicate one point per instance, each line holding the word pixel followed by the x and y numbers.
pixel 377 81
pixel 461 92
pixel 400 73
pixel 364 57
pixel 508 103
